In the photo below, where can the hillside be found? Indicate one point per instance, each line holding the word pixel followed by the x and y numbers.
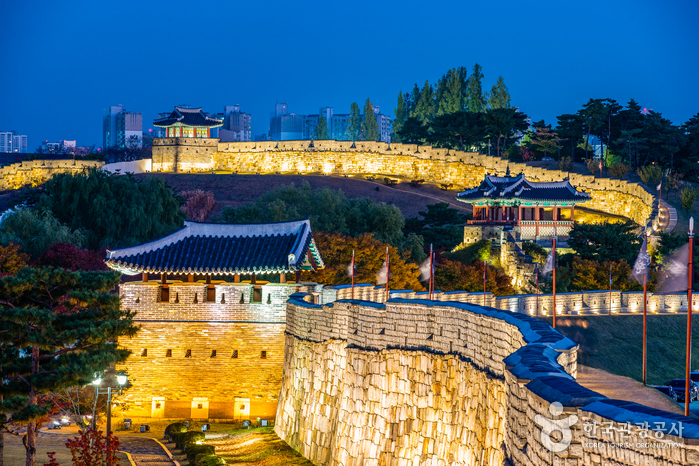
pixel 235 190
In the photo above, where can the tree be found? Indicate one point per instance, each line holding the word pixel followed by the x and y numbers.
pixel 93 448
pixel 70 257
pixel 413 131
pixel 451 92
pixel 370 128
pixel 570 128
pixel 474 90
pixel 594 275
pixel 441 225
pixel 197 204
pixel 455 276
pixel 499 95
pixel 651 175
pixel 687 198
pixel 545 140
pixel 64 325
pixel 321 131
pixel 593 115
pixel 369 254
pixel 505 123
pixel 12 259
pixel 606 241
pixel 401 115
pixel 35 231
pixel 354 123
pixel 424 108
pixel 111 210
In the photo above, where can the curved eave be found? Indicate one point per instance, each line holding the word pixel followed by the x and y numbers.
pixel 520 200
pixel 135 269
pixel 168 124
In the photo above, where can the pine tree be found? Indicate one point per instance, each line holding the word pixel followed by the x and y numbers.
pixel 321 131
pixel 401 116
pixel 414 99
pixel 370 128
pixel 474 90
pixel 354 123
pixel 57 330
pixel 451 98
pixel 499 95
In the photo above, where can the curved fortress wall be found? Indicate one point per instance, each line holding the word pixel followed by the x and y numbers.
pixel 462 169
pixel 422 382
pixel 36 172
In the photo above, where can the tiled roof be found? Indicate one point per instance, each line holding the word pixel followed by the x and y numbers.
pixel 188 117
pixel 210 248
pixel 518 189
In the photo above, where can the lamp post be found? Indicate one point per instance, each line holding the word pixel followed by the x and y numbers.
pixel 121 380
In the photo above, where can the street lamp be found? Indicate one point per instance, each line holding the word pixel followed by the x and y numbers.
pixel 121 380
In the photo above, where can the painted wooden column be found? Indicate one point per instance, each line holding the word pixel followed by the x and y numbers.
pixel 536 218
pixel 519 214
pixel 145 277
pixel 504 210
pixel 236 278
pixel 487 213
pixel 282 278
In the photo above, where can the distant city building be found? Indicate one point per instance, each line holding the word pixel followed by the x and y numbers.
pixel 121 128
pixel 186 122
pixel 236 125
pixel 11 141
pixel 60 147
pixel 286 126
pixel 261 137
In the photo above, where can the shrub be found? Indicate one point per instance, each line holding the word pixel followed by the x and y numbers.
pixel 619 170
pixel 185 438
pixel 176 437
pixel 537 253
pixel 194 450
pixel 209 460
pixel 70 257
pixel 197 204
pixel 11 259
pixel 565 164
pixel 592 165
pixel 176 428
pixel 688 197
pixel 651 175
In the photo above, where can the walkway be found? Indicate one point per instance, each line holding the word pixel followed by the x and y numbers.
pixel 667 216
pixel 145 451
pixel 623 388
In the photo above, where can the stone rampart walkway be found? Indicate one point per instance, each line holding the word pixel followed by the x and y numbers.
pixel 668 216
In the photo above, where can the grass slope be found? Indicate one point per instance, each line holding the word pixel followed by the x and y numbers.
pixel 258 447
pixel 615 344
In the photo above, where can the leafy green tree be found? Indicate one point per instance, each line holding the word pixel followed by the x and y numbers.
pixel 35 231
pixel 401 115
pixel 471 254
pixel 499 95
pixel 606 241
pixel 424 108
pixel 570 128
pixel 354 123
pixel 321 131
pixel 461 130
pixel 474 90
pixel 687 198
pixel 12 259
pixel 592 116
pixel 545 140
pixel 451 91
pixel 651 175
pixel 455 276
pixel 111 210
pixel 57 330
pixel 594 275
pixel 413 131
pixel 536 251
pixel 370 128
pixel 440 225
pixel 504 123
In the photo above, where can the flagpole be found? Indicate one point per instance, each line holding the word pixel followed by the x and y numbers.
pixel 690 276
pixel 433 271
pixel 352 273
pixel 484 279
pixel 554 282
pixel 610 288
pixel 388 272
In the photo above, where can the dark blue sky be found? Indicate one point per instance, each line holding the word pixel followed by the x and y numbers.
pixel 64 62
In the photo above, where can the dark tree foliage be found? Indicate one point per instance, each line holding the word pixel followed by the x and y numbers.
pixel 70 257
pixel 460 130
pixel 473 254
pixel 441 226
pixel 504 123
pixel 57 330
pixel 112 210
pixel 413 131
pixel 12 259
pixel 606 241
pixel 330 211
pixel 455 276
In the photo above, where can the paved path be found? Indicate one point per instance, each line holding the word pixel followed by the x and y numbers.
pixel 624 388
pixel 145 451
pixel 667 216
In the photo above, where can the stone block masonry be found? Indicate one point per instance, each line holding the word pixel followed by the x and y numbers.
pixel 36 172
pixel 410 161
pixel 413 382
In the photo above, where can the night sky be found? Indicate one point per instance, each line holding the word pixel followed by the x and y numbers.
pixel 65 61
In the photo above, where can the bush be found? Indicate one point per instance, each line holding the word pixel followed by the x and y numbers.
pixel 176 428
pixel 185 438
pixel 11 259
pixel 651 175
pixel 194 450
pixel 619 170
pixel 537 253
pixel 208 460
pixel 197 204
pixel 565 164
pixel 176 437
pixel 70 257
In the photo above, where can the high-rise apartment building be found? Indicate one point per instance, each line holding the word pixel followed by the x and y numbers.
pixel 11 141
pixel 285 126
pixel 121 128
pixel 237 125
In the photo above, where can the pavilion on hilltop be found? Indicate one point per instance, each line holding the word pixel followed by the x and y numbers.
pixel 536 209
pixel 186 122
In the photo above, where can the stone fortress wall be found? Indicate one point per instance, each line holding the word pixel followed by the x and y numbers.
pixel 412 382
pixel 36 172
pixel 445 166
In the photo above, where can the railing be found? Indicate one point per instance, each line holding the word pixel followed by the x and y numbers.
pixel 491 222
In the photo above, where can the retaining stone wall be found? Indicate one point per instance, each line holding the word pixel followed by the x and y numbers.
pixel 357 379
pixel 36 172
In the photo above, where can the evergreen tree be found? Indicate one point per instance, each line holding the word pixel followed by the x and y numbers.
pixel 111 210
pixel 499 96
pixel 545 140
pixel 57 330
pixel 401 116
pixel 414 99
pixel 424 109
pixel 413 131
pixel 474 90
pixel 321 131
pixel 504 123
pixel 606 241
pixel 570 128
pixel 450 93
pixel 370 128
pixel 354 123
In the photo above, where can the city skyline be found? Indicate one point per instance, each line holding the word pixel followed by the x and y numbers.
pixel 553 59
